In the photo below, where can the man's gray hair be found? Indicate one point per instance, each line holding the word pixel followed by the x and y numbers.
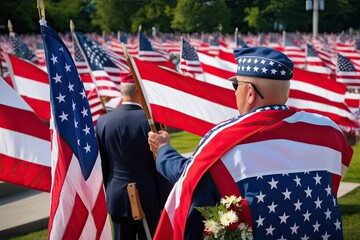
pixel 128 89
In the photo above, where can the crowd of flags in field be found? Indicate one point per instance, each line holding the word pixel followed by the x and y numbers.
pixel 55 86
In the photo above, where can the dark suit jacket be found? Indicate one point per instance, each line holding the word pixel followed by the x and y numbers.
pixel 126 157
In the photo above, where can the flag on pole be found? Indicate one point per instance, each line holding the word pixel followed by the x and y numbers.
pixel 189 60
pixel 346 72
pixel 294 51
pixel 25 143
pixel 78 208
pixel 21 50
pixel 314 63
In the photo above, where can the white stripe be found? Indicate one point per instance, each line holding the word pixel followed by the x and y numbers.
pixel 191 105
pixel 280 157
pixel 9 97
pixel 33 149
pixel 32 89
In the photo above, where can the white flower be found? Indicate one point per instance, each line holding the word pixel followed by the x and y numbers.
pixel 228 218
pixel 212 226
pixel 228 200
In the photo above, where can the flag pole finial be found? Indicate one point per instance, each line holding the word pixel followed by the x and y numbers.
pixel 10 26
pixel 72 25
pixel 41 9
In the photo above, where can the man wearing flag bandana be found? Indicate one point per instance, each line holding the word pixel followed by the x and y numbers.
pixel 285 164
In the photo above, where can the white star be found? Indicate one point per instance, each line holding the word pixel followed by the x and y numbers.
pixel 256 69
pixel 87 148
pixel 283 218
pixel 73 105
pixel 84 112
pixel 61 49
pixel 298 205
pixel 78 142
pixel 273 183
pixel 260 221
pixel 71 87
pixel 318 203
pixel 86 130
pixel 328 190
pixel 255 61
pixel 67 67
pixel 308 192
pixel 271 63
pixel 248 68
pixel 282 238
pixel 83 94
pixel 328 214
pixel 316 226
pixel 272 207
pixel 260 197
pixel 294 229
pixel 63 116
pixel 249 60
pixel 305 237
pixel 76 124
pixel 57 78
pixel 53 59
pixel 61 98
pixel 286 194
pixel 297 180
pixel 269 230
pixel 326 236
pixel 317 179
pixel 334 201
pixel 307 216
pixel 282 72
pixel 244 60
pixel 337 224
pixel 263 61
pixel 264 70
pixel 242 68
pixel 273 71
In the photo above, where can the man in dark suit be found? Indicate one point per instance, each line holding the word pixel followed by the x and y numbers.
pixel 126 157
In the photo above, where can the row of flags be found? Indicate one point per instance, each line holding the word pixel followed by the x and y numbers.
pixel 79 80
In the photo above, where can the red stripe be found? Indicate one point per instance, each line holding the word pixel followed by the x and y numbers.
pixel 98 212
pixel 25 173
pixel 26 122
pixel 79 215
pixel 61 169
pixel 217 71
pixel 227 187
pixel 166 231
pixel 176 119
pixel 40 107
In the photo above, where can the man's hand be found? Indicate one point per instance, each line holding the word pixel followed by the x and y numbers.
pixel 156 140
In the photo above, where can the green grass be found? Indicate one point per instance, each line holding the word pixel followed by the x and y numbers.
pixel 349 204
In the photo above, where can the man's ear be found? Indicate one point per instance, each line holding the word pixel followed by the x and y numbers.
pixel 251 95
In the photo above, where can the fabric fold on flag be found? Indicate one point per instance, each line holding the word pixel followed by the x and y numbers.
pixel 25 143
pixel 78 208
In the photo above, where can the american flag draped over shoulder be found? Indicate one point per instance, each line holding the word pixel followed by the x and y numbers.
pixel 286 200
pixel 78 209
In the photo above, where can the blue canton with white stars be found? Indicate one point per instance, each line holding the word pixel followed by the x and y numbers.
pixel 344 64
pixel 70 107
pixel 188 51
pixel 293 206
pixel 21 50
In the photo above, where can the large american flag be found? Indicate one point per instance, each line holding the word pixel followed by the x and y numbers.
pixel 189 61
pixel 78 209
pixel 25 149
pixel 146 51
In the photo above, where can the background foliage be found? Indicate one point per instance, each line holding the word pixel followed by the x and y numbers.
pixel 180 15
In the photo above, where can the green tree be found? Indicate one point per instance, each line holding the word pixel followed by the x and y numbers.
pixel 114 15
pixel 22 14
pixel 201 16
pixel 156 13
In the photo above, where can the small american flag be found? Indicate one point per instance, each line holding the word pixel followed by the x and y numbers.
pixel 189 62
pixel 346 72
pixel 21 50
pixel 294 51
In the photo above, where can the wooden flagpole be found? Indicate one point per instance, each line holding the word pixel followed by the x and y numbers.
pixel 138 86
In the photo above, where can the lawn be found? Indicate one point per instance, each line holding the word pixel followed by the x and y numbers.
pixel 349 204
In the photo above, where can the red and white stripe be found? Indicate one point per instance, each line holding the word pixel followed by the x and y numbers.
pixel 25 153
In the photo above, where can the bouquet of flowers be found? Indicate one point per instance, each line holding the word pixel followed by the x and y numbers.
pixel 222 221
